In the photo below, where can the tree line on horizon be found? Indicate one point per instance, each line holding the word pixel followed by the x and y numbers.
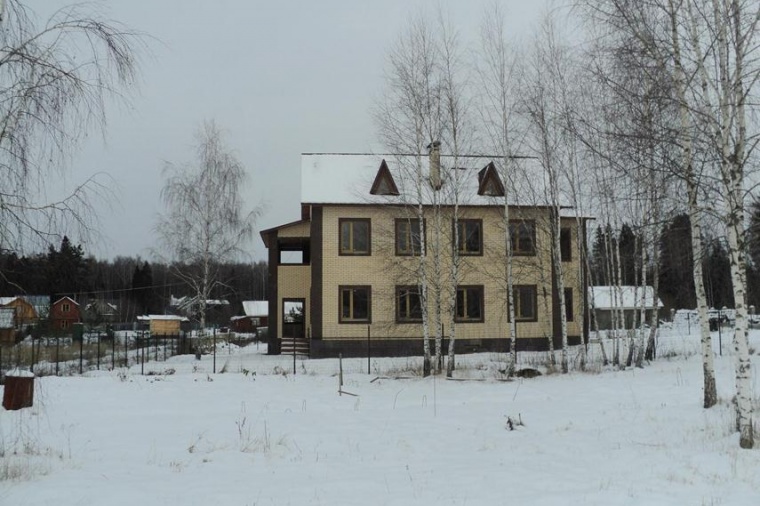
pixel 135 285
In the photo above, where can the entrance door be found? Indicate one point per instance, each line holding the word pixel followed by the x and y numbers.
pixel 293 318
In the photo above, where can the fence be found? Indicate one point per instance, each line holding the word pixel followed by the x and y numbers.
pixel 63 356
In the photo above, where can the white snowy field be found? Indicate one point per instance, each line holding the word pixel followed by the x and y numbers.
pixel 607 437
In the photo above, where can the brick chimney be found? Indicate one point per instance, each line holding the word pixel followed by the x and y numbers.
pixel 434 152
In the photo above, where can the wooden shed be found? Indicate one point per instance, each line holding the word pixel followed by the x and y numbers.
pixel 163 324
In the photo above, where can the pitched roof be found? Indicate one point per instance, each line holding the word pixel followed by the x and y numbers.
pixel 256 307
pixel 342 178
pixel 623 297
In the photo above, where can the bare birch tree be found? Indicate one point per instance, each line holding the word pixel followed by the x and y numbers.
pixel 205 222
pixel 409 118
pixel 54 82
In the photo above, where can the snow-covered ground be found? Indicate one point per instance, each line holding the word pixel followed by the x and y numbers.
pixel 257 434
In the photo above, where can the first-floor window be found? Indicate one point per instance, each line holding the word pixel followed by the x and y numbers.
pixel 64 324
pixel 568 304
pixel 408 305
pixel 525 302
pixel 355 304
pixel 469 304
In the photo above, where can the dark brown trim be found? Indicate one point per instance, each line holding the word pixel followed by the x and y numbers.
pixel 411 347
pixel 273 347
pixel 584 284
pixel 341 288
pixel 369 237
pixel 317 271
pixel 396 223
pixel 383 174
pixel 481 294
pixel 464 221
pixel 566 251
pixel 399 319
pixel 266 235
pixel 521 253
pixel 569 308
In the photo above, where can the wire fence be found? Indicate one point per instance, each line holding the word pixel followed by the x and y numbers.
pixel 65 356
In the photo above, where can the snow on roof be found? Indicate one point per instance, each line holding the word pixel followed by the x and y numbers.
pixel 162 317
pixel 343 178
pixel 66 297
pixel 6 300
pixel 622 297
pixel 256 307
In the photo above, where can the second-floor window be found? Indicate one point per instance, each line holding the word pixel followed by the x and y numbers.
pixel 408 237
pixel 523 236
pixel 565 244
pixel 470 234
pixel 65 307
pixel 355 304
pixel 355 236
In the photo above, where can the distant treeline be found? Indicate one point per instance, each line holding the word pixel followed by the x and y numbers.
pixel 676 278
pixel 135 285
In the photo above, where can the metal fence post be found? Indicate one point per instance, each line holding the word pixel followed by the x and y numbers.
pixel 369 351
pixel 81 353
pixel 214 342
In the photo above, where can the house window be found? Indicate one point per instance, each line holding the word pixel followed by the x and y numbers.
pixel 64 324
pixel 565 244
pixel 408 304
pixel 65 307
pixel 469 304
pixel 355 304
pixel 408 237
pixel 523 235
pixel 525 303
pixel 354 236
pixel 470 237
pixel 569 304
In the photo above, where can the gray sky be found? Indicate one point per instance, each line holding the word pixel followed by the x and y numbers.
pixel 279 77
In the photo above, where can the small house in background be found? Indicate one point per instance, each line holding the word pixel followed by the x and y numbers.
pixel 256 315
pixel 27 312
pixel 99 311
pixel 7 326
pixel 605 301
pixel 64 313
pixel 217 310
pixel 162 324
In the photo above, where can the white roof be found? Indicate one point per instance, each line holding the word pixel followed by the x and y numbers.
pixel 6 300
pixel 622 297
pixel 342 178
pixel 256 307
pixel 162 317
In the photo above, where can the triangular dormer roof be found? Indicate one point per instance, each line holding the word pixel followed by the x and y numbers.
pixel 489 182
pixel 66 298
pixel 384 183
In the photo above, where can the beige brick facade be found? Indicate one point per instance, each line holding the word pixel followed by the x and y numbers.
pixel 383 271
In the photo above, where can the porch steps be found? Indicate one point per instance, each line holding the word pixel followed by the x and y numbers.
pixel 300 345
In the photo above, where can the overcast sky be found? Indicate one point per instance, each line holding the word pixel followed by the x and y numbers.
pixel 279 77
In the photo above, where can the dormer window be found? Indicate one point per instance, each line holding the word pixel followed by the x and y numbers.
pixel 384 183
pixel 489 182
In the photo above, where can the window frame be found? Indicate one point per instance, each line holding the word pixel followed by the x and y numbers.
pixel 569 303
pixel 481 297
pixel 411 221
pixel 415 289
pixel 566 244
pixel 464 222
pixel 513 224
pixel 517 301
pixel 352 252
pixel 351 320
pixel 65 307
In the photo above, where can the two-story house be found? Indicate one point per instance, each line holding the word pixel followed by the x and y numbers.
pixel 64 313
pixel 380 234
